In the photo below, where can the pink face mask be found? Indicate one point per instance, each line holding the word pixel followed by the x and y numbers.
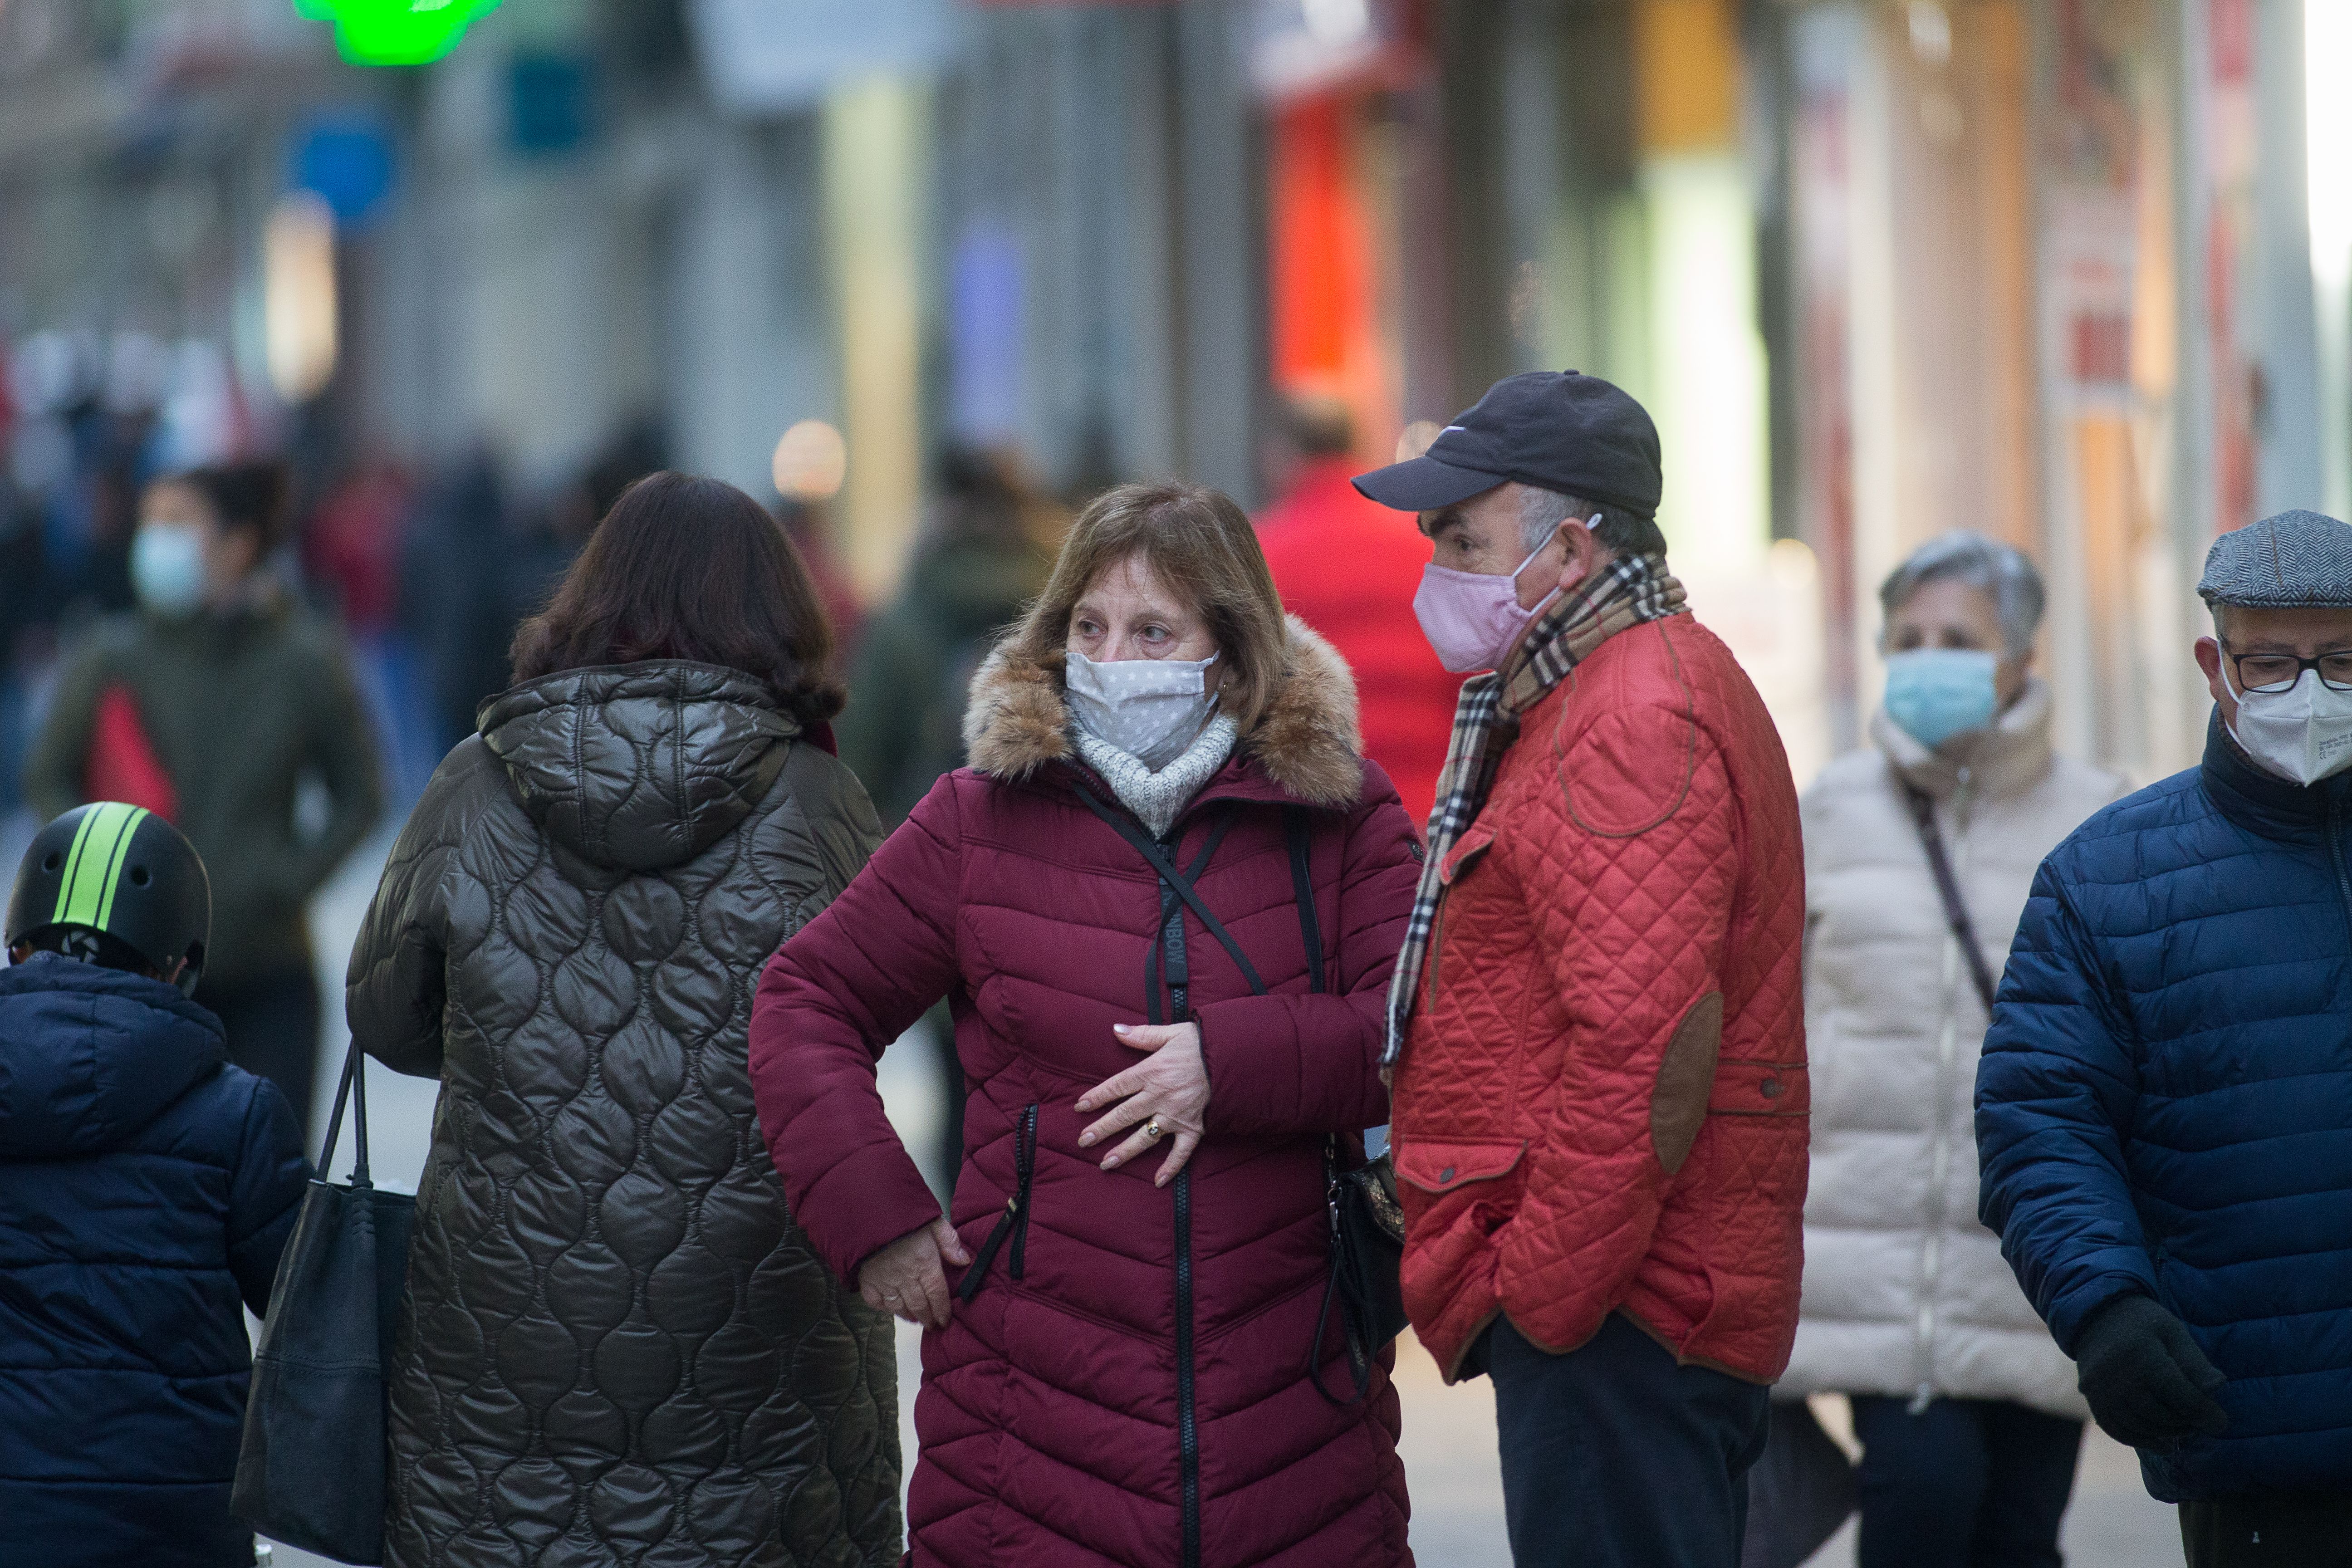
pixel 1471 618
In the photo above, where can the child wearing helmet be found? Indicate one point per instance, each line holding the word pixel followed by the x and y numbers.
pixel 146 1190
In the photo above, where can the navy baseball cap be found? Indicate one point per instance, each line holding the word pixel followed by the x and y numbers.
pixel 1558 430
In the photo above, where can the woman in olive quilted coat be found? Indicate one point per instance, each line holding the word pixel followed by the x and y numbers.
pixel 616 1347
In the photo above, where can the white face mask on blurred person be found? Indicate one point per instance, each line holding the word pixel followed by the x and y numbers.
pixel 167 568
pixel 1151 708
pixel 2304 732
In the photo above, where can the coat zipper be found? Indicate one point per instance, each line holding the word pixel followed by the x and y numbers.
pixel 1177 975
pixel 2336 852
pixel 1015 1224
pixel 1188 1427
pixel 1940 1165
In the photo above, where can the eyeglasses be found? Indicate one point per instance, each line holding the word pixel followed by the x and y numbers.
pixel 2269 673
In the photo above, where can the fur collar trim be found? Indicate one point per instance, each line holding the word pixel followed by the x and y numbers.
pixel 1306 741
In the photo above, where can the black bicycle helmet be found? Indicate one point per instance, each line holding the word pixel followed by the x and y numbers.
pixel 122 871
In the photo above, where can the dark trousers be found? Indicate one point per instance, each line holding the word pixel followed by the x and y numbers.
pixel 1965 1483
pixel 272 1022
pixel 2269 1529
pixel 1614 1455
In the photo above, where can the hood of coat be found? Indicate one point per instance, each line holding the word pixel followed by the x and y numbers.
pixel 93 1054
pixel 639 766
pixel 2007 759
pixel 1307 742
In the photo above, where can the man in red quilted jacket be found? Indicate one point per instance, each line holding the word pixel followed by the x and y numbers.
pixel 1595 1029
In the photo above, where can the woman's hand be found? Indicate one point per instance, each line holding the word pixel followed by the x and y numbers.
pixel 1168 1092
pixel 908 1280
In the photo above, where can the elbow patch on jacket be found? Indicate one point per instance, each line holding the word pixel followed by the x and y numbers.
pixel 1686 1081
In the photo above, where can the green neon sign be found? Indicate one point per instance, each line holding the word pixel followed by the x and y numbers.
pixel 396 32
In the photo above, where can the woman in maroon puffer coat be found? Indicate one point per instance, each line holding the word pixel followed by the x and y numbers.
pixel 1115 1371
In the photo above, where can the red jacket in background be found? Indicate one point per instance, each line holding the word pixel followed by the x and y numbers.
pixel 1349 568
pixel 1602 1101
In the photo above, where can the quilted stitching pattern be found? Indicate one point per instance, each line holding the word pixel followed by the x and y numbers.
pixel 1048 1409
pixel 617 1348
pixel 1642 853
pixel 2165 1102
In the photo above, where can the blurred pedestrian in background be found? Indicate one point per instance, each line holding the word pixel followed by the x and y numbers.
pixel 2164 1108
pixel 212 706
pixel 1919 853
pixel 971 574
pixel 1596 1027
pixel 352 550
pixel 1123 1373
pixel 910 682
pixel 146 1190
pixel 452 608
pixel 1345 569
pixel 614 1334
pixel 28 630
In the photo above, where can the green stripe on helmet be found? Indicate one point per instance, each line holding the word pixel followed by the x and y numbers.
pixel 114 866
pixel 73 865
pixel 86 895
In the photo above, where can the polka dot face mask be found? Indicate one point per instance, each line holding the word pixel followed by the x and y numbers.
pixel 1151 708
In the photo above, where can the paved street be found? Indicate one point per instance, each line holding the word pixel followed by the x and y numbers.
pixel 1449 1432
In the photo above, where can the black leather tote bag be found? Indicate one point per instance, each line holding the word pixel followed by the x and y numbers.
pixel 310 1472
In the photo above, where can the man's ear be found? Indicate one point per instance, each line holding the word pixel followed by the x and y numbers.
pixel 1585 553
pixel 2208 660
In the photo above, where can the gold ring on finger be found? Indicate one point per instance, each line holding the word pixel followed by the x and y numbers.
pixel 1151 1129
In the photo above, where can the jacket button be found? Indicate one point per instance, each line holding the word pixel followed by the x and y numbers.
pixel 1771 1089
pixel 1447 1175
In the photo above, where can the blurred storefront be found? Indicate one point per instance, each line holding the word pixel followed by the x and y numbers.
pixel 2049 277
pixel 2050 269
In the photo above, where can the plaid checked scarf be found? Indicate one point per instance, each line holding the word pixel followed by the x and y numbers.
pixel 1632 589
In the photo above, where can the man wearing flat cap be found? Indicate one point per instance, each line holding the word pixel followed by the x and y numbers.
pixel 1595 1027
pixel 2164 1108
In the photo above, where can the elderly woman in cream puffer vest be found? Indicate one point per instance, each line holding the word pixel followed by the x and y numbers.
pixel 1966 1409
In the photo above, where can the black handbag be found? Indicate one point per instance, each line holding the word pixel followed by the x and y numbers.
pixel 1799 1493
pixel 1367 1224
pixel 310 1471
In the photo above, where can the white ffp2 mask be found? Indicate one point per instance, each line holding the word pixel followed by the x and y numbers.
pixel 2304 733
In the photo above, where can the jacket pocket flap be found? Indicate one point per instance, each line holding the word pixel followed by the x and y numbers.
pixel 1465 852
pixel 1760 1089
pixel 1440 1167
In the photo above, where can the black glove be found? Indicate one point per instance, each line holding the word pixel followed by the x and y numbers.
pixel 2148 1383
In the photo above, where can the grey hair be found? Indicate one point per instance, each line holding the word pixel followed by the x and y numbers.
pixel 1542 511
pixel 2003 573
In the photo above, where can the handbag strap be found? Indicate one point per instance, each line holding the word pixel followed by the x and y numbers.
pixel 353 1089
pixel 1955 913
pixel 1296 829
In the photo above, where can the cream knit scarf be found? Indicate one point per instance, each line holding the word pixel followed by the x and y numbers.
pixel 1156 798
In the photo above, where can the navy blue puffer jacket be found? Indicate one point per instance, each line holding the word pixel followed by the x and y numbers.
pixel 146 1190
pixel 2165 1102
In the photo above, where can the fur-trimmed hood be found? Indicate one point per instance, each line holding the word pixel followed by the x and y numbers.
pixel 1306 741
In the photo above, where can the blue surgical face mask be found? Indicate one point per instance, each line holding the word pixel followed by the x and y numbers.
pixel 1936 693
pixel 167 568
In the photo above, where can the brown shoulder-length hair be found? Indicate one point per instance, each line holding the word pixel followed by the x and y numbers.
pixel 689 567
pixel 1201 545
